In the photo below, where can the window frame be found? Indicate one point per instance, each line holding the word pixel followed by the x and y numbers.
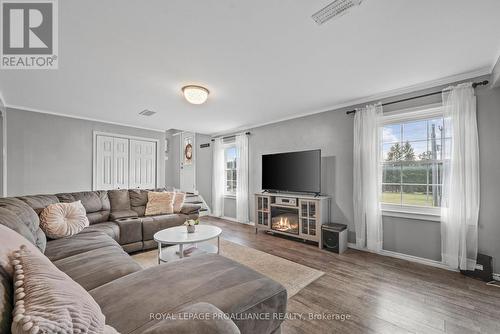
pixel 406 116
pixel 229 194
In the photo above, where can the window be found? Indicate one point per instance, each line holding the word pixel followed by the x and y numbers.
pixel 413 150
pixel 230 171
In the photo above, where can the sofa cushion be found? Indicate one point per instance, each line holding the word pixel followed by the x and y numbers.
pixel 215 322
pixel 63 219
pixel 76 244
pixel 10 242
pixel 39 202
pixel 122 214
pixel 26 216
pixel 119 200
pixel 138 201
pixel 43 292
pixel 179 199
pixel 23 211
pixel 98 217
pixel 159 203
pixel 96 204
pixel 10 220
pixel 110 228
pixel 228 285
pixel 151 225
pixel 98 266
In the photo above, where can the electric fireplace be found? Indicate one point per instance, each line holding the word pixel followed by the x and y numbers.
pixel 285 219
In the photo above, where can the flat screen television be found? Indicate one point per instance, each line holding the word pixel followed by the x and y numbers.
pixel 292 171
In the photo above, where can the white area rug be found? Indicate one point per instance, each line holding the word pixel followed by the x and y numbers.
pixel 293 276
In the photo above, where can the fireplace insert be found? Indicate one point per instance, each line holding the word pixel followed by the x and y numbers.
pixel 285 219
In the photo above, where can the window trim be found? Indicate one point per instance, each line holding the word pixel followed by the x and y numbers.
pixel 402 116
pixel 228 194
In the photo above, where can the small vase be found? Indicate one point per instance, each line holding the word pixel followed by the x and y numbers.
pixel 191 228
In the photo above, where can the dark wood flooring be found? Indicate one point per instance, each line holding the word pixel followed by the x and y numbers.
pixel 379 294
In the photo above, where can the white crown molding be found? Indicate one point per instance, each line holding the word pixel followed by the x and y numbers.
pixel 40 111
pixel 380 96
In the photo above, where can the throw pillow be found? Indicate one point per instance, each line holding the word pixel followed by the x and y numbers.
pixel 49 301
pixel 63 219
pixel 159 203
pixel 179 199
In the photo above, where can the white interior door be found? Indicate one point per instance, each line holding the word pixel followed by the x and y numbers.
pixel 120 161
pixel 111 168
pixel 142 164
pixel 188 165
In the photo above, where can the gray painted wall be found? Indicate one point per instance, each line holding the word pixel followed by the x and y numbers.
pixel 230 207
pixel 172 164
pixel 332 132
pixel 204 167
pixel 51 154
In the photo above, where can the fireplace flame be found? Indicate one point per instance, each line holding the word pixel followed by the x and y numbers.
pixel 283 223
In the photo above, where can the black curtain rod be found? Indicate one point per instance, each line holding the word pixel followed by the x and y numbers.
pixel 232 136
pixel 474 85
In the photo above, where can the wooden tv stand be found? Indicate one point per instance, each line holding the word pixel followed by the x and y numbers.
pixel 309 212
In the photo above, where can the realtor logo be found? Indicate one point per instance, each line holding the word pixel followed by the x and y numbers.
pixel 29 34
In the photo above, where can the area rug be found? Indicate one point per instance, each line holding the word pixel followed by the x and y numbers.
pixel 293 276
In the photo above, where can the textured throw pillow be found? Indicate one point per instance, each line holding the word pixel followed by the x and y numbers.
pixel 63 219
pixel 179 199
pixel 159 203
pixel 49 301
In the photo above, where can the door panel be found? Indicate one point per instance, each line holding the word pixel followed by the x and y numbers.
pixel 143 164
pixel 188 167
pixel 104 164
pixel 121 155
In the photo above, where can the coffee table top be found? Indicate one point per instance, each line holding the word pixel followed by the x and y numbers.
pixel 179 235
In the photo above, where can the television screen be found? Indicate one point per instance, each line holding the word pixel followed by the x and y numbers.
pixel 292 171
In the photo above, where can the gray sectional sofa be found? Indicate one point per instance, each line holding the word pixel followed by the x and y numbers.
pixel 133 299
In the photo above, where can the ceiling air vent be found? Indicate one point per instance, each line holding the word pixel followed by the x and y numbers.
pixel 147 112
pixel 335 9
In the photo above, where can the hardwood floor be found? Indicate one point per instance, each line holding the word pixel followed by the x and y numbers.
pixel 379 294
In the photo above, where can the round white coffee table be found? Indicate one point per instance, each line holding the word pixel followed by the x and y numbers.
pixel 179 236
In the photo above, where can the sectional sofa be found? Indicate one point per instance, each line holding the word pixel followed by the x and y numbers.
pixel 133 299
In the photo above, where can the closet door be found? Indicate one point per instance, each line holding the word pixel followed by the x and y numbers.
pixel 121 168
pixel 142 164
pixel 104 163
pixel 111 167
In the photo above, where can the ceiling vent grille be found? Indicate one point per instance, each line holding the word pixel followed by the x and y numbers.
pixel 335 9
pixel 147 112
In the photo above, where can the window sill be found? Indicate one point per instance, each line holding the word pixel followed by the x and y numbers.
pixel 409 214
pixel 230 196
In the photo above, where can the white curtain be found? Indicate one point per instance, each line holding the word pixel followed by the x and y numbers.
pixel 460 199
pixel 367 178
pixel 242 211
pixel 218 179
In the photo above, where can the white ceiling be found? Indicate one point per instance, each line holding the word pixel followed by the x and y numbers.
pixel 262 60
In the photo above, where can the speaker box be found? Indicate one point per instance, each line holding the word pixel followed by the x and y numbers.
pixel 334 237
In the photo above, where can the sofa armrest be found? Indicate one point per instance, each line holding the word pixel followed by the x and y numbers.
pixel 190 208
pixel 196 318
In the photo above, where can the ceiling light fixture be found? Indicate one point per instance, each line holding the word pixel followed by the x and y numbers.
pixel 335 9
pixel 195 94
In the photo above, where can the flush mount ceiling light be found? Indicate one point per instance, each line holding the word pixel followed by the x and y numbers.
pixel 195 94
pixel 335 9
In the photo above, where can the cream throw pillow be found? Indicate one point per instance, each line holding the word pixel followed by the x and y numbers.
pixel 179 199
pixel 159 203
pixel 63 219
pixel 48 301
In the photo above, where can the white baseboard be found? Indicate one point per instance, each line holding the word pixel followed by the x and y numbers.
pixel 496 276
pixel 407 257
